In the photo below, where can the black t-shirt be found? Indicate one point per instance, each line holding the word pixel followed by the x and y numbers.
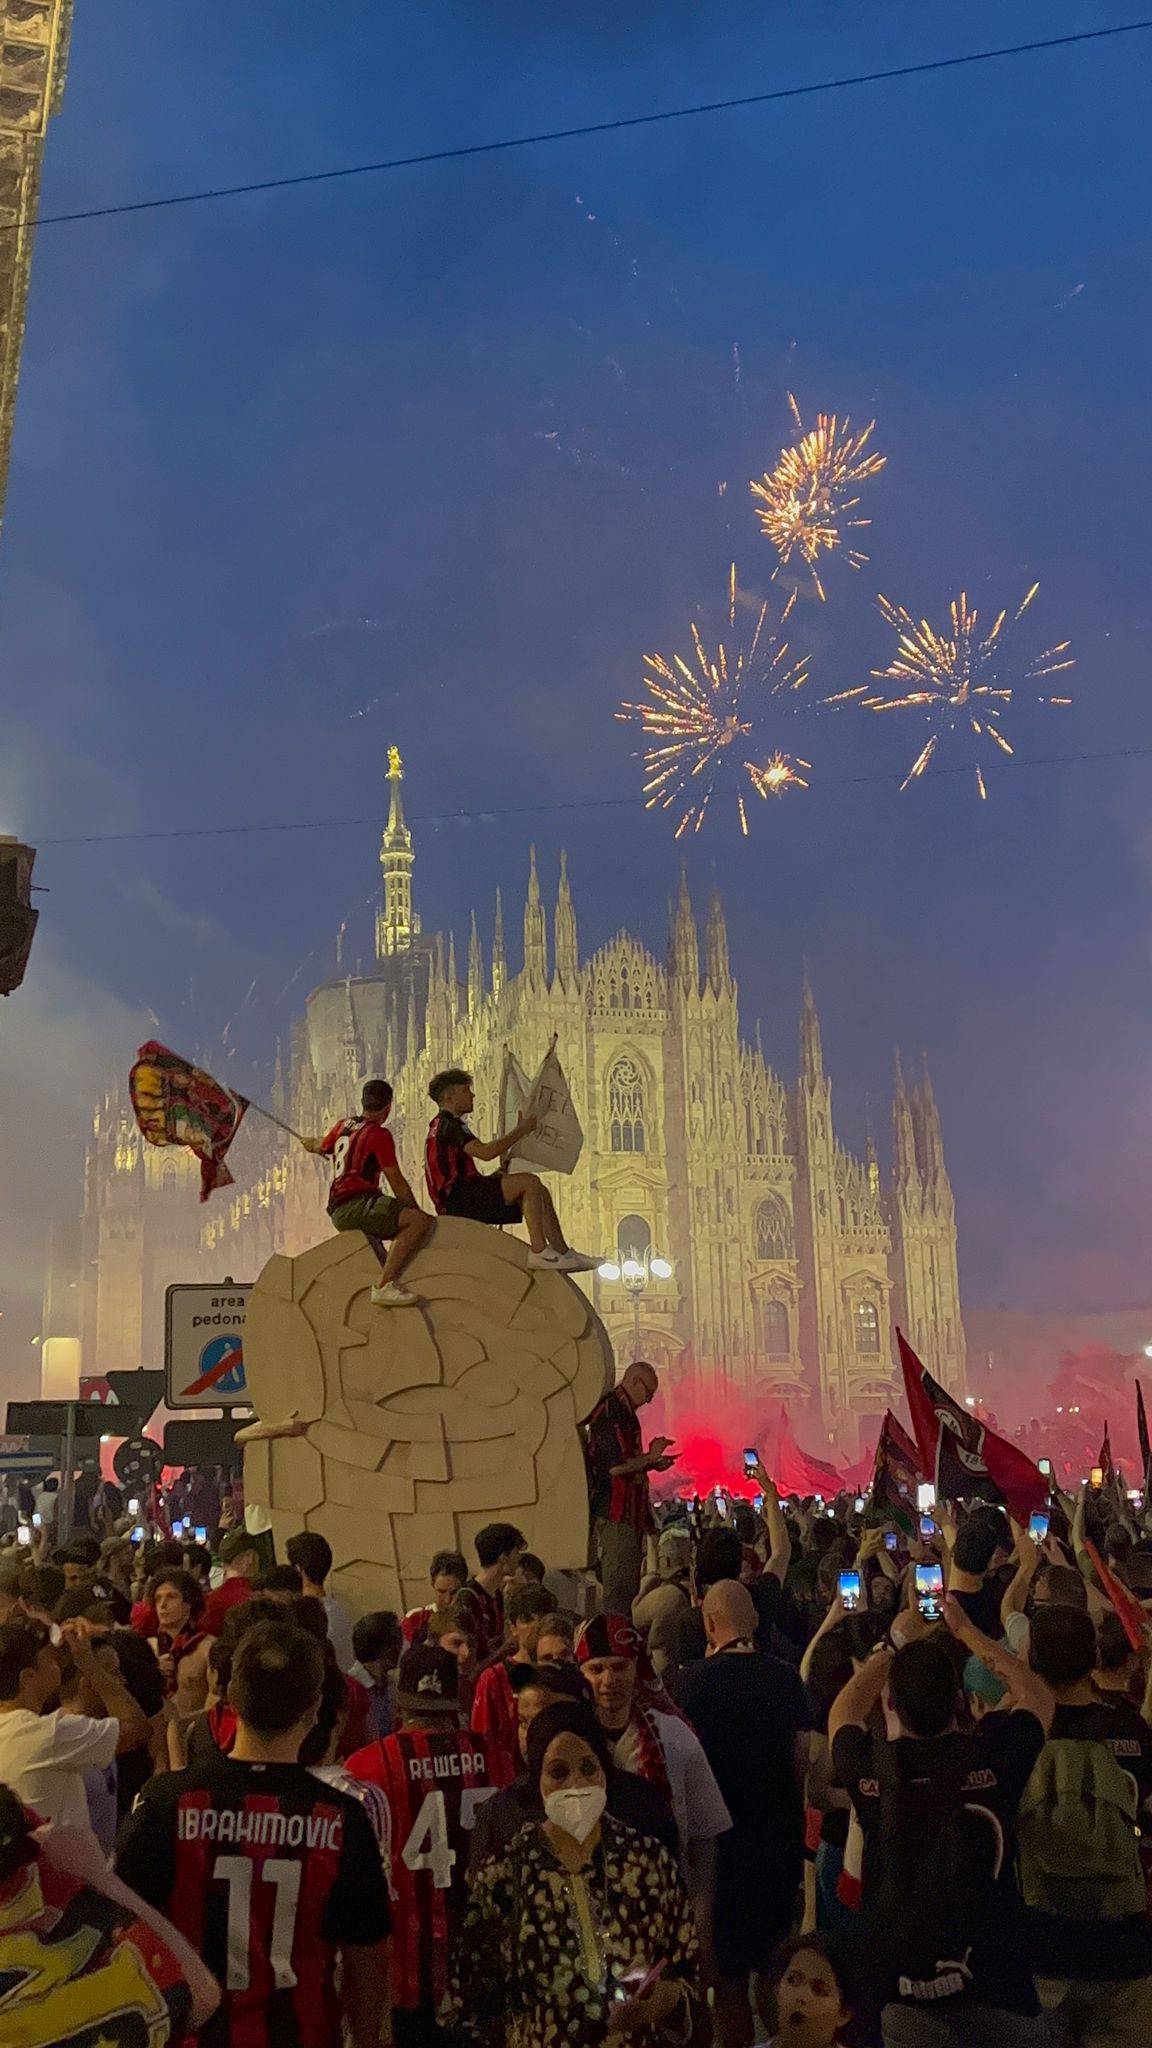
pixel 983 1609
pixel 268 1872
pixel 1114 1949
pixel 748 1709
pixel 988 1768
pixel 631 1799
pixel 141 1675
pixel 780 1626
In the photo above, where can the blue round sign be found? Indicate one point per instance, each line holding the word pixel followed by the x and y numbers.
pixel 232 1381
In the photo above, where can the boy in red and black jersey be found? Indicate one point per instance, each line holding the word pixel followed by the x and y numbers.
pixel 361 1151
pixel 458 1188
pixel 270 1873
pixel 434 1776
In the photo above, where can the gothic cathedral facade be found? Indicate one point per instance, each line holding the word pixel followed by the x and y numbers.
pixel 789 1258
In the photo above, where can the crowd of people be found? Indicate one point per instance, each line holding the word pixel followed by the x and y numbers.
pixel 776 1793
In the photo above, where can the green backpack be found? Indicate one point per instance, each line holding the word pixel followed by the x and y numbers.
pixel 1079 1846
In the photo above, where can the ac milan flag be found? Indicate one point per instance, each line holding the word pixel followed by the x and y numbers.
pixel 1145 1446
pixel 178 1104
pixel 1124 1603
pixel 897 1474
pixel 968 1459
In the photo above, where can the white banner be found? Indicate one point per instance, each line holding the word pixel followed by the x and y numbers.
pixel 557 1142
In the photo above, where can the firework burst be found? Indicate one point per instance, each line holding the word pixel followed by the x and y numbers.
pixel 805 504
pixel 963 679
pixel 696 707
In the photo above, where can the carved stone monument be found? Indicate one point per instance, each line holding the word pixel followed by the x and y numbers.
pixel 422 1424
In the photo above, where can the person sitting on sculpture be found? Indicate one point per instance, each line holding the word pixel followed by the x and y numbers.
pixel 361 1151
pixel 458 1188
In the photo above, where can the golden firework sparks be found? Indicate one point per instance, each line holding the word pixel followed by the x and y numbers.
pixel 805 503
pixel 697 706
pixel 963 679
pixel 778 773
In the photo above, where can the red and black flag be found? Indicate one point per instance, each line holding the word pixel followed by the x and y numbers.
pixel 897 1474
pixel 178 1104
pixel 1145 1446
pixel 969 1460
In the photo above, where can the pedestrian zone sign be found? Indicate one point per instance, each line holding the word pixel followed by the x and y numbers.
pixel 204 1346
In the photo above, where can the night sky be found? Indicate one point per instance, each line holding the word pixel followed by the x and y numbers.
pixel 435 457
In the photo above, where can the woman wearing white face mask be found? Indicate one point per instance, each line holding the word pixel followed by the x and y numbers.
pixel 581 1931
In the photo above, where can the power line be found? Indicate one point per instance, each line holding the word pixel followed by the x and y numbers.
pixel 505 144
pixel 589 803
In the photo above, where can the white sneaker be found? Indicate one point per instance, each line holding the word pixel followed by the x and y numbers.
pixel 547 1261
pixel 578 1262
pixel 392 1295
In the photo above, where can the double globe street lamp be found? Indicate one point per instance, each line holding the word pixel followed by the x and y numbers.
pixel 635 1270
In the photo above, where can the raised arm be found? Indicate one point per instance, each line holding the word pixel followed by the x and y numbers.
pixel 1027 1692
pixel 497 1147
pixel 779 1541
pixel 111 1691
pixel 853 1707
pixel 1027 1565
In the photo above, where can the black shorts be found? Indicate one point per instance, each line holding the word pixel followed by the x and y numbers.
pixel 482 1199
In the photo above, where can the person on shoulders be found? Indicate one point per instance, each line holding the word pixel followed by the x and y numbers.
pixel 458 1188
pixel 273 1875
pixel 363 1152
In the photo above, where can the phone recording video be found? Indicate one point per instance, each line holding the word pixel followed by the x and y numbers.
pixel 930 1590
pixel 848 1587
pixel 926 1497
pixel 1097 1475
pixel 1038 1527
pixel 1044 1465
pixel 891 1540
pixel 201 1535
pixel 927 1529
pixel 751 1460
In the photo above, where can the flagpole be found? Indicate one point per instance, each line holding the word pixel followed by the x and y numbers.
pixel 277 1120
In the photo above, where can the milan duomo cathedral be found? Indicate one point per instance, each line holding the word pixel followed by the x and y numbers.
pixel 790 1258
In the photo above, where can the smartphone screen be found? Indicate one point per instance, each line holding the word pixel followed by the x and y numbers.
pixel 860 1503
pixel 177 1527
pixel 133 1507
pixel 37 1521
pixel 925 1497
pixel 848 1586
pixel 1038 1527
pixel 758 1502
pixel 23 1533
pixel 891 1539
pixel 1097 1475
pixel 201 1535
pixel 751 1458
pixel 137 1536
pixel 927 1528
pixel 930 1590
pixel 1044 1465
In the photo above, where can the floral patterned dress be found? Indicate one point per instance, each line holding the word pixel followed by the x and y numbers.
pixel 542 1948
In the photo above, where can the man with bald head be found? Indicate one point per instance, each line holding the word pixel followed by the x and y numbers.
pixel 618 1468
pixel 751 1713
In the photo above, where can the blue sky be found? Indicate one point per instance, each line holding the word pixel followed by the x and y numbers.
pixel 435 457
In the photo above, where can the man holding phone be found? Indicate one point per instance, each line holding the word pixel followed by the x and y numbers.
pixel 618 1468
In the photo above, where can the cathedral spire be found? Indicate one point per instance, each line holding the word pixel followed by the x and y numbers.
pixel 395 924
pixel 903 1132
pixel 475 971
pixel 684 949
pixel 933 1141
pixel 565 949
pixel 716 945
pixel 535 935
pixel 453 988
pixel 499 963
pixel 811 1046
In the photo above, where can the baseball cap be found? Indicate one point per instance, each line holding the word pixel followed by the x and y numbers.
pixel 428 1681
pixel 235 1544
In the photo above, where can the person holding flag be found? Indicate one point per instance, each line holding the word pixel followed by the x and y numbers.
pixel 968 1460
pixel 362 1151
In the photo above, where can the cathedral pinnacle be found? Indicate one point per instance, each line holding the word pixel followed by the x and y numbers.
pixel 395 924
pixel 499 962
pixel 535 936
pixel 565 949
pixel 716 945
pixel 811 1044
pixel 475 971
pixel 685 945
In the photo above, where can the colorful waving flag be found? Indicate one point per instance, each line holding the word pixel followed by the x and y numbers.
pixel 178 1104
pixel 897 1474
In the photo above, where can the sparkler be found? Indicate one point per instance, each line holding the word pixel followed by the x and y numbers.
pixel 962 678
pixel 804 504
pixel 698 707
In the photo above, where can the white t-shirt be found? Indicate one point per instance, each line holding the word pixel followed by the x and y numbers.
pixel 339 1631
pixel 43 1758
pixel 697 1800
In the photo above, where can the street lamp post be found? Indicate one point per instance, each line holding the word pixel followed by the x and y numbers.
pixel 636 1269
